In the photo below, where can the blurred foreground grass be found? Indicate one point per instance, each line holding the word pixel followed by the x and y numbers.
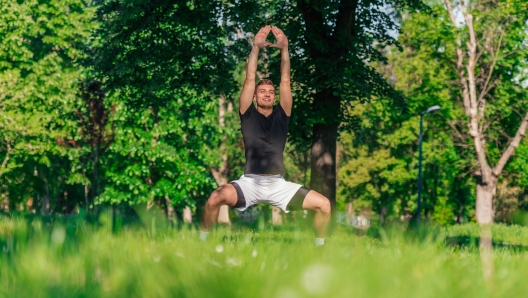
pixel 75 259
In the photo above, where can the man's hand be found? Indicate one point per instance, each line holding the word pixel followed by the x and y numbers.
pixel 260 38
pixel 282 40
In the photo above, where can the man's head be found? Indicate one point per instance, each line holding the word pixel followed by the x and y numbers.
pixel 264 94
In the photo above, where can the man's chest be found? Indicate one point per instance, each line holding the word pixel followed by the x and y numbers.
pixel 257 130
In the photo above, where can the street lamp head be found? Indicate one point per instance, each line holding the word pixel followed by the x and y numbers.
pixel 431 110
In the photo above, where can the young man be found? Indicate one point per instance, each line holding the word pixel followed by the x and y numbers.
pixel 264 130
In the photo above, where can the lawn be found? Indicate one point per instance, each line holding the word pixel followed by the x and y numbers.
pixel 76 259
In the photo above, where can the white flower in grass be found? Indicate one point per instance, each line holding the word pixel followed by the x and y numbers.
pixel 247 239
pixel 316 279
pixel 215 263
pixel 219 248
pixel 156 258
pixel 287 293
pixel 233 262
pixel 58 235
pixel 254 253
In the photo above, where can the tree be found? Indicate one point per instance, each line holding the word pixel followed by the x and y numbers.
pixel 490 63
pixel 221 173
pixel 155 156
pixel 163 66
pixel 40 48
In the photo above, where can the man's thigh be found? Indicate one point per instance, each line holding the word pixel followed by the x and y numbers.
pixel 314 200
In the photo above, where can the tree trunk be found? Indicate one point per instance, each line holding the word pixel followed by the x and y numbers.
pixel 327 103
pixel 29 205
pixel 38 203
pixel 350 212
pixel 349 209
pixel 95 181
pixel 486 254
pixel 220 174
pixel 223 215
pixel 5 203
pixel 187 215
pixel 86 189
pixel 45 203
pixel 58 208
pixel 323 165
pixel 170 211
pixel 484 211
pixel 86 200
pixel 46 199
pixel 276 216
pixel 485 202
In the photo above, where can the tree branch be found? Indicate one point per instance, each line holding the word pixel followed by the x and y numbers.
pixel 346 18
pixel 460 62
pixel 484 90
pixel 455 128
pixel 470 96
pixel 486 125
pixel 314 19
pixel 511 148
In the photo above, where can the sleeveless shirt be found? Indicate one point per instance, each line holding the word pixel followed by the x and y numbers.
pixel 264 140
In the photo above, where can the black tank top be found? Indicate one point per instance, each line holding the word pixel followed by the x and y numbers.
pixel 264 140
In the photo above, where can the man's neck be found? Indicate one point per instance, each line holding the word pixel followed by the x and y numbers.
pixel 265 111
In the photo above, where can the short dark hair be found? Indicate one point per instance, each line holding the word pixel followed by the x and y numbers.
pixel 264 82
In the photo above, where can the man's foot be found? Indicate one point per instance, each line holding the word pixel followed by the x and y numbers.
pixel 319 242
pixel 203 235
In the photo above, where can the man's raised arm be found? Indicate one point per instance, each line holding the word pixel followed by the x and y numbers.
pixel 285 94
pixel 246 97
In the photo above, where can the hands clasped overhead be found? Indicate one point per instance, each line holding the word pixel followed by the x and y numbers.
pixel 260 38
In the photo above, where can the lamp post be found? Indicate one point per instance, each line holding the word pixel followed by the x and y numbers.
pixel 419 199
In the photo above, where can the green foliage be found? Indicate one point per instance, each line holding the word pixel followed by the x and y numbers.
pixel 164 67
pixel 155 52
pixel 41 42
pixel 379 166
pixel 381 155
pixel 155 154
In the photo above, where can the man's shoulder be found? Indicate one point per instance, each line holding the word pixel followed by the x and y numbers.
pixel 278 109
pixel 249 111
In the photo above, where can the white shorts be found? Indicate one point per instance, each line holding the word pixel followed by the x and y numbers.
pixel 272 190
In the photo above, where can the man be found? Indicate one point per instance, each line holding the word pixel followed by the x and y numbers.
pixel 264 131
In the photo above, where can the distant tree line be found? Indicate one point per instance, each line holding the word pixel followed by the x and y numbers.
pixel 128 103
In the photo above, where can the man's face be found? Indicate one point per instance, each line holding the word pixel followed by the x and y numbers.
pixel 265 96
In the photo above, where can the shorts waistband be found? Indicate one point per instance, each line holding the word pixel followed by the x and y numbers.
pixel 262 177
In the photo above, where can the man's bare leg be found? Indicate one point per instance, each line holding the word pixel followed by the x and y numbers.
pixel 321 205
pixel 224 195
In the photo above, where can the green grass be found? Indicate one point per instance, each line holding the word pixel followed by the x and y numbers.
pixel 79 260
pixel 502 234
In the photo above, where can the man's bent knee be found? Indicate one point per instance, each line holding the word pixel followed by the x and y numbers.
pixel 224 195
pixel 326 206
pixel 317 202
pixel 323 205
